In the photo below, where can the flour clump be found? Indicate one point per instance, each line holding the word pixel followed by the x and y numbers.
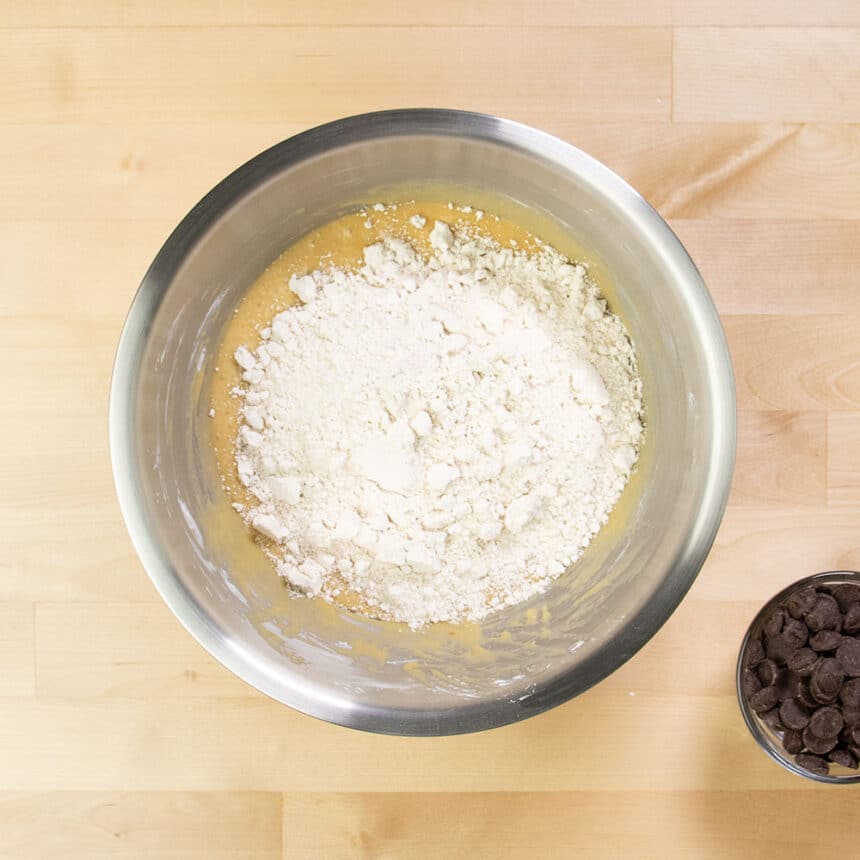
pixel 437 435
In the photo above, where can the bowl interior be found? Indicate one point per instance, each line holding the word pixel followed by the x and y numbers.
pixel 767 737
pixel 378 675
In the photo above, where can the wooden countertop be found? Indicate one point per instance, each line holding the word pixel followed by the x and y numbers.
pixel 119 737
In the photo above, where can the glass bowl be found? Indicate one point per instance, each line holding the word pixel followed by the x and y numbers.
pixel 768 738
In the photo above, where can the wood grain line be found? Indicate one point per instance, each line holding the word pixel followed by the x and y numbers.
pixel 360 14
pixel 478 13
pixel 576 824
pixel 781 459
pixel 795 363
pixel 843 458
pixel 128 825
pixel 257 744
pixel 17 649
pixel 731 170
pixel 736 74
pixel 776 267
pixel 132 650
pixel 758 551
pixel 157 76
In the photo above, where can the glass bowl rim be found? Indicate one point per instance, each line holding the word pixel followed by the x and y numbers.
pixel 752 720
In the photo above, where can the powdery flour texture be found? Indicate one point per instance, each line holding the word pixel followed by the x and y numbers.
pixel 442 436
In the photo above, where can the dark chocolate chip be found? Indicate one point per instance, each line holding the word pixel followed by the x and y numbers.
pixel 845 595
pixel 792 742
pixel 819 696
pixel 813 763
pixel 768 672
pixel 803 661
pixel 825 640
pixel 796 632
pixel 773 623
pixel 850 693
pixel 787 685
pixel 750 683
pixel 844 757
pixel 755 653
pixel 826 722
pixel 825 615
pixel 852 733
pixel 805 697
pixel 826 680
pixel 771 717
pixel 851 715
pixel 765 699
pixel 818 745
pixel 793 715
pixel 851 624
pixel 848 654
pixel 801 602
pixel 779 648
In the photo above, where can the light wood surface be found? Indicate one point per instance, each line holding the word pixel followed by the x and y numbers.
pixel 119 736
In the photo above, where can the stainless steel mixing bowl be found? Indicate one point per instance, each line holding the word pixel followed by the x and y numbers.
pixel 376 675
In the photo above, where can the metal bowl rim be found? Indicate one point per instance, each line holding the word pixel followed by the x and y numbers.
pixel 471 716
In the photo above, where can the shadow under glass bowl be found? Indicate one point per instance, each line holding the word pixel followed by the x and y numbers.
pixel 766 736
pixel 327 661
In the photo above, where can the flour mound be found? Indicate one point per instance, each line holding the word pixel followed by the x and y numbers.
pixel 442 437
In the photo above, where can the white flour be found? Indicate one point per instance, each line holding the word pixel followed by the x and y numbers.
pixel 442 437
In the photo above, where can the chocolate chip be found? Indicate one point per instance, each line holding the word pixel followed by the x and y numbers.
pixel 765 699
pixel 801 602
pixel 803 661
pixel 845 595
pixel 826 680
pixel 779 648
pixel 792 742
pixel 848 654
pixel 796 632
pixel 850 693
pixel 851 624
pixel 813 763
pixel 851 715
pixel 771 717
pixel 787 685
pixel 805 697
pixel 773 623
pixel 844 757
pixel 755 653
pixel 750 683
pixel 802 675
pixel 818 745
pixel 825 640
pixel 821 697
pixel 768 672
pixel 793 715
pixel 825 615
pixel 826 722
